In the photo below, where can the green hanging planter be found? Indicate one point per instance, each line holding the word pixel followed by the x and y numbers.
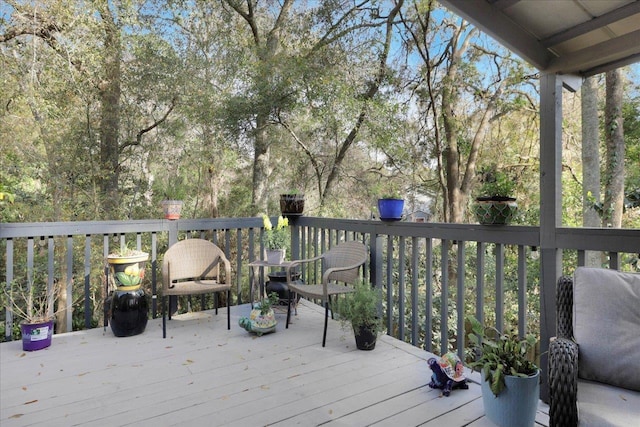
pixel 490 211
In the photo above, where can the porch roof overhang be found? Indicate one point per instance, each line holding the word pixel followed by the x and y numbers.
pixel 562 36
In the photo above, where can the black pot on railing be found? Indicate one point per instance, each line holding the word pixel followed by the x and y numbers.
pixel 291 205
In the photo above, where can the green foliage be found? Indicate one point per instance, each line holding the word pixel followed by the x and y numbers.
pixel 501 354
pixel 266 304
pixel 275 237
pixel 360 308
pixel 495 183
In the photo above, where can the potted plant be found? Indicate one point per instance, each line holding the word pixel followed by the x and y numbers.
pixel 510 380
pixel 171 208
pixel 127 307
pixel 35 306
pixel 262 318
pixel 495 203
pixel 360 310
pixel 275 239
pixel 390 207
pixel 291 204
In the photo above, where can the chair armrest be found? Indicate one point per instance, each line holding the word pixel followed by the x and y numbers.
pixel 329 271
pixel 564 307
pixel 297 262
pixel 227 271
pixel 563 382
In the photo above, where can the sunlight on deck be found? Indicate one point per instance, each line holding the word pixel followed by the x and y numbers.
pixel 203 374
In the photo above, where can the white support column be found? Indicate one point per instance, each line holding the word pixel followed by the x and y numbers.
pixel 550 211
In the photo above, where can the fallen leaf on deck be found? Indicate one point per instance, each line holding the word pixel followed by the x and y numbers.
pixel 30 402
pixel 16 416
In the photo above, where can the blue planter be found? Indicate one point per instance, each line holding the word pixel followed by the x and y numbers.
pixel 390 209
pixel 516 406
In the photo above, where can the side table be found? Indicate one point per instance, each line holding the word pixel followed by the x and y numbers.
pixel 259 285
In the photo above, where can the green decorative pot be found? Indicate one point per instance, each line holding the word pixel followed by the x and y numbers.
pixel 495 212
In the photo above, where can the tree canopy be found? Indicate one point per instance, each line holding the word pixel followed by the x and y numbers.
pixel 110 107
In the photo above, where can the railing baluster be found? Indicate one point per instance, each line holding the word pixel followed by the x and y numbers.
pixel 499 286
pixel 9 314
pixel 69 285
pixel 389 283
pixel 87 278
pixel 480 259
pixel 614 260
pixel 50 271
pixel 428 333
pixel 154 275
pixel 414 291
pixel 460 298
pixel 29 263
pixel 401 288
pixel 238 268
pixel 522 291
pixel 444 296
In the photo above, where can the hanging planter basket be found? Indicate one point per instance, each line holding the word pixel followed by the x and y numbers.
pixel 495 212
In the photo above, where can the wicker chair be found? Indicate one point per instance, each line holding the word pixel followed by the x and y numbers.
pixel 339 264
pixel 192 267
pixel 612 323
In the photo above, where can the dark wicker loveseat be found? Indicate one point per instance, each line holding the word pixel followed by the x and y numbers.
pixel 594 361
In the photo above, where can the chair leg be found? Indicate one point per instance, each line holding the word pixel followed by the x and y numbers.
pixel 215 302
pixel 228 309
pixel 288 309
pixel 326 320
pixel 331 304
pixel 164 317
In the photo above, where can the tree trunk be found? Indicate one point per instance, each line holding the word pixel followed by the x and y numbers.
pixel 261 168
pixel 109 92
pixel 614 164
pixel 590 163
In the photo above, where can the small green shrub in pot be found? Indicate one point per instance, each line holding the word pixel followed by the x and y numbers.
pixel 360 310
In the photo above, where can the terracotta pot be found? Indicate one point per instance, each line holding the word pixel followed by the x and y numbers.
pixel 172 209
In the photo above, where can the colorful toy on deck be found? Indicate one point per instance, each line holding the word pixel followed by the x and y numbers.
pixel 448 373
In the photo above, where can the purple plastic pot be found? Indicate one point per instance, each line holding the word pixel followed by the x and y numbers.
pixel 36 336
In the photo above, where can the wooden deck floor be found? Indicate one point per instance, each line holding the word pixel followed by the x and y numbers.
pixel 204 375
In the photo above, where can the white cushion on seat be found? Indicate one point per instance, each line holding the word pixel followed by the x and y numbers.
pixel 603 405
pixel 606 326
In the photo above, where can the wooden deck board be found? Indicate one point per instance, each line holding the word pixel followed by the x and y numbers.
pixel 203 374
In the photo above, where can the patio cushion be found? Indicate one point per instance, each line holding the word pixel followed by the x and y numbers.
pixel 602 405
pixel 606 326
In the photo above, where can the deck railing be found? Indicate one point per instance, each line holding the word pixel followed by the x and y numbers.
pixel 432 275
